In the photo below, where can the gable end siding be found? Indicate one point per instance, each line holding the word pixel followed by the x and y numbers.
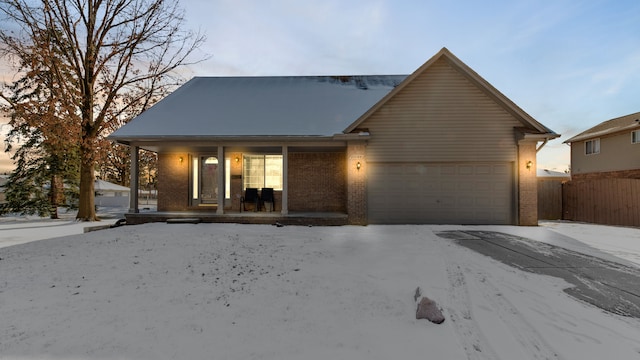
pixel 441 117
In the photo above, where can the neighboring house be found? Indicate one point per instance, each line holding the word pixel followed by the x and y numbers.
pixel 110 194
pixel 605 174
pixel 545 174
pixel 608 150
pixel 441 145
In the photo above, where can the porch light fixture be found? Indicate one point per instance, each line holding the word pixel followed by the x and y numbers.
pixel 358 165
pixel 529 164
pixel 237 159
pixel 181 159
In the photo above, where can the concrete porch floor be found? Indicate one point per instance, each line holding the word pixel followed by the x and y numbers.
pixel 247 217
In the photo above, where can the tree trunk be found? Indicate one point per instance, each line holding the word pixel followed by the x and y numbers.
pixel 54 196
pixel 86 208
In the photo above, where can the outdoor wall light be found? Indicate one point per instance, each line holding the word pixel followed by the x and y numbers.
pixel 358 165
pixel 181 159
pixel 529 164
pixel 237 159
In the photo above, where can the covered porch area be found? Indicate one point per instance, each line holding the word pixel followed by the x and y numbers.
pixel 209 182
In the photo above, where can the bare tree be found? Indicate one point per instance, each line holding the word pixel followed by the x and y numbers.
pixel 113 48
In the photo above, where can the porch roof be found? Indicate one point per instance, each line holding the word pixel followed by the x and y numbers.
pixel 234 107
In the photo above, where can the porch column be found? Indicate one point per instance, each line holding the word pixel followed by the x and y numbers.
pixel 133 182
pixel 285 180
pixel 527 184
pixel 221 184
pixel 357 183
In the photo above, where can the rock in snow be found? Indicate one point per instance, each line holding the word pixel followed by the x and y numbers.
pixel 428 309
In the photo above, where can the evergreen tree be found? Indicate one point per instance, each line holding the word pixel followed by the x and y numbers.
pixel 47 151
pixel 43 178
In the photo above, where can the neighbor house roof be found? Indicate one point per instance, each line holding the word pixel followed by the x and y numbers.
pixel 551 174
pixel 260 106
pixel 101 185
pixel 622 123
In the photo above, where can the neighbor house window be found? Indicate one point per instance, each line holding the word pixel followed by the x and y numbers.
pixel 635 137
pixel 592 146
pixel 262 171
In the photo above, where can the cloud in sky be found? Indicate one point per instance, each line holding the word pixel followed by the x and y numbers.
pixel 288 37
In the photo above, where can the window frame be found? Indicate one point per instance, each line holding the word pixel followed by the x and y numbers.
pixel 635 137
pixel 594 149
pixel 264 175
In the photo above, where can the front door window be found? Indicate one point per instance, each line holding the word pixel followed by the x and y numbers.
pixel 209 180
pixel 205 180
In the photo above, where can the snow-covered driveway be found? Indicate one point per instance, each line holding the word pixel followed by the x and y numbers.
pixel 227 291
pixel 609 285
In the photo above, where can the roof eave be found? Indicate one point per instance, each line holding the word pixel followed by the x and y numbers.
pixel 541 137
pixel 127 140
pixel 527 134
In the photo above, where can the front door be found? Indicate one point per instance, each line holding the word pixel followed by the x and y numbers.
pixel 208 180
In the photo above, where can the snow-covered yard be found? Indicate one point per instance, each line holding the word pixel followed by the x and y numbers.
pixel 227 291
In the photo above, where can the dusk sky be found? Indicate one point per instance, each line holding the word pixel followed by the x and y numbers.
pixel 569 64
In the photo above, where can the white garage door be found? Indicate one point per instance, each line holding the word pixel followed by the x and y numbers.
pixel 460 193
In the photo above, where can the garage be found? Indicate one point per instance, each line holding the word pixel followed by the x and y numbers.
pixel 441 193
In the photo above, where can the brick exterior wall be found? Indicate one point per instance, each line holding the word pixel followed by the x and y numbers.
pixel 357 184
pixel 622 174
pixel 317 182
pixel 173 182
pixel 527 184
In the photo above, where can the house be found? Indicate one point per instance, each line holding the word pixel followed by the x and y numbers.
pixel 438 146
pixel 110 194
pixel 610 149
pixel 605 174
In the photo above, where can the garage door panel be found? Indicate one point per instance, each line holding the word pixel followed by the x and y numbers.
pixel 466 193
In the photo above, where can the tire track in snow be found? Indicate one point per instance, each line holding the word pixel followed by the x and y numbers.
pixel 477 347
pixel 527 336
pixel 472 340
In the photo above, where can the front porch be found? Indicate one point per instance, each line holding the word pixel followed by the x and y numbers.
pixel 262 217
pixel 315 183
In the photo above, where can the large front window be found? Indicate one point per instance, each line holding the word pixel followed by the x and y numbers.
pixel 262 171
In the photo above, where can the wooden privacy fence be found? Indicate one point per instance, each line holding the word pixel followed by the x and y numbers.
pixel 550 198
pixel 602 201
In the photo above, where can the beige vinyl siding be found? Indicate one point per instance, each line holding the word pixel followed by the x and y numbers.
pixel 617 152
pixel 441 117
